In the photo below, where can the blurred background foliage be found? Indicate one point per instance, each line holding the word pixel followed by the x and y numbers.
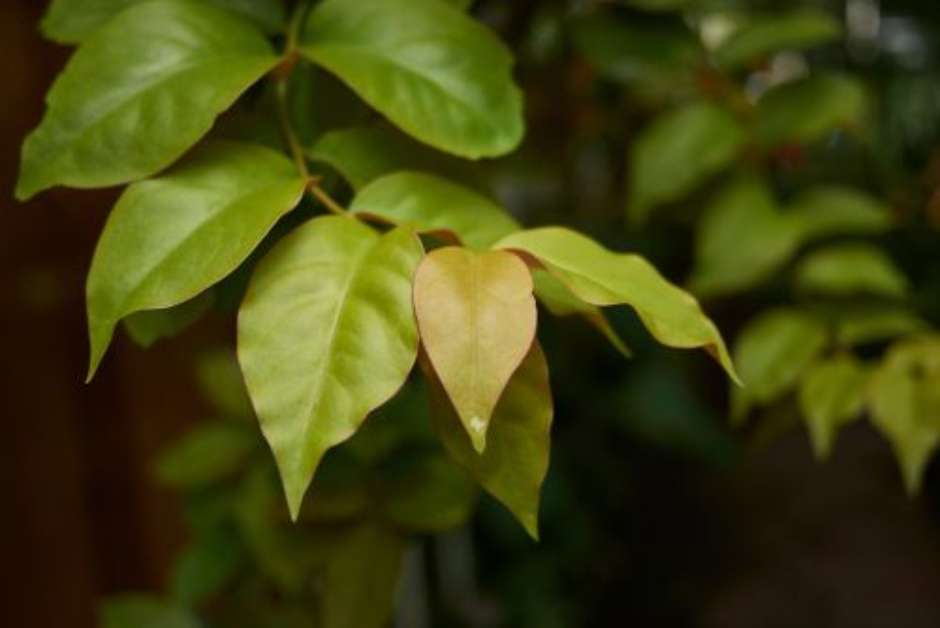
pixel 780 159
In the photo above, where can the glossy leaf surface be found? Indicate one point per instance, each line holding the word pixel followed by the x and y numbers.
pixel 326 334
pixel 139 93
pixel 477 318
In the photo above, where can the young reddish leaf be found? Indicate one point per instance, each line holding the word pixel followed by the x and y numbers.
pixel 477 317
pixel 515 462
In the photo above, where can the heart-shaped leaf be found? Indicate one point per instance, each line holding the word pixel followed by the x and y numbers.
pixel 170 238
pixel 139 93
pixel 477 318
pixel 326 334
pixel 436 73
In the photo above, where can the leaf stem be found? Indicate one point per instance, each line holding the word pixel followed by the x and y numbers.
pixel 293 143
pixel 321 195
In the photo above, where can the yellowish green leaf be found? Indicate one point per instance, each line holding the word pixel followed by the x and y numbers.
pixel 832 394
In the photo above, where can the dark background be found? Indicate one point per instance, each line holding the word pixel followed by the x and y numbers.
pixel 767 537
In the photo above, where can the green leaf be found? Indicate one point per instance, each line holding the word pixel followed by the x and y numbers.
pixel 221 383
pixel 762 36
pixel 425 493
pixel 139 93
pixel 429 204
pixel 207 566
pixel 207 454
pixel 436 73
pixel 863 325
pixel 832 394
pixel 771 354
pixel 743 239
pixel 515 462
pixel 905 408
pixel 851 269
pixel 147 327
pixel 560 301
pixel 73 21
pixel 678 152
pixel 661 5
pixel 477 318
pixel 326 334
pixel 806 110
pixel 361 579
pixel 601 277
pixel 144 611
pixel 170 238
pixel 830 210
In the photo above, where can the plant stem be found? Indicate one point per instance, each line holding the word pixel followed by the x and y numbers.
pixel 293 143
pixel 327 201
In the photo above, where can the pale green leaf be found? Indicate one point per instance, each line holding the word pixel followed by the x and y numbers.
pixel 149 326
pixel 326 334
pixel 832 394
pixel 678 152
pixel 144 611
pixel 172 237
pixel 831 210
pixel 477 318
pixel 601 277
pixel 807 109
pixel 436 73
pixel 765 35
pixel 515 462
pixel 140 92
pixel 560 301
pixel 207 454
pixel 771 354
pixel 429 204
pixel 73 21
pixel 904 405
pixel 851 269
pixel 743 239
pixel 361 579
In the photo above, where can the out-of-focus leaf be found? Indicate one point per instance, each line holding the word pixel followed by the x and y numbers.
pixel 515 462
pixel 437 74
pixel 560 301
pixel 864 324
pixel 433 205
pixel 139 93
pixel 805 110
pixel 72 21
pixel 660 5
pixel 207 566
pixel 361 579
pixel 771 354
pixel 172 237
pixel 144 611
pixel 207 454
pixel 904 405
pixel 477 317
pixel 830 210
pixel 326 334
pixel 340 492
pixel 425 493
pixel 601 277
pixel 401 422
pixel 832 393
pixel 764 35
pixel 149 326
pixel 678 152
pixel 220 380
pixel 743 239
pixel 851 269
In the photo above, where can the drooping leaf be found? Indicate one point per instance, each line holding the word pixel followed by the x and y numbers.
pixel 436 73
pixel 208 454
pixel 678 152
pixel 832 393
pixel 560 301
pixel 743 239
pixel 805 110
pixel 149 326
pixel 326 334
pixel 139 93
pixel 73 21
pixel 764 35
pixel 830 210
pixel 361 579
pixel 477 317
pixel 430 204
pixel 601 277
pixel 850 269
pixel 515 462
pixel 771 354
pixel 904 405
pixel 144 611
pixel 172 237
